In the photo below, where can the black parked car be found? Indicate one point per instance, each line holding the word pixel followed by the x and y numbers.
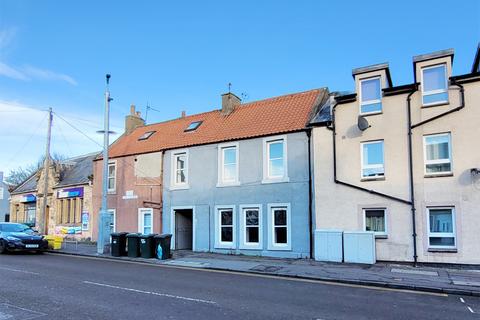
pixel 20 237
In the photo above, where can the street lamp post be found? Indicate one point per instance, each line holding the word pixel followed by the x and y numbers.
pixel 103 223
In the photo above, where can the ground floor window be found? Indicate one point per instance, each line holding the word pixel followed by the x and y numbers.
pixel 30 213
pixel 225 227
pixel 279 219
pixel 376 221
pixel 251 227
pixel 69 210
pixel 145 221
pixel 112 221
pixel 441 227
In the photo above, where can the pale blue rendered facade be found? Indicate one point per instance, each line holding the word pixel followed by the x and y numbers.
pixel 281 204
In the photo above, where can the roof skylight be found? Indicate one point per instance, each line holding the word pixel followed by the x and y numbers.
pixel 193 126
pixel 146 135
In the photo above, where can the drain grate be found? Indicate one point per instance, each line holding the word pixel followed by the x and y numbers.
pixel 265 268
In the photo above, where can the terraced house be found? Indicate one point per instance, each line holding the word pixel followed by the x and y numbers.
pixel 234 180
pixel 403 161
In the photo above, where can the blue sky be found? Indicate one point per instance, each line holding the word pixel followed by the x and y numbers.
pixel 181 55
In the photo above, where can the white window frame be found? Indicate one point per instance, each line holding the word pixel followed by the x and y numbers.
pixel 266 160
pixel 174 185
pixel 362 167
pixel 141 218
pixel 385 218
pixel 114 164
pixel 369 102
pixel 221 165
pixel 271 227
pixel 222 244
pixel 113 212
pixel 442 234
pixel 243 227
pixel 427 93
pixel 438 161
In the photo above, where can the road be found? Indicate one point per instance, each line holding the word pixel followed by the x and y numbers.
pixel 53 286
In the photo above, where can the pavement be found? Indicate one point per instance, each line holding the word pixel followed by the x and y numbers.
pixel 53 286
pixel 460 281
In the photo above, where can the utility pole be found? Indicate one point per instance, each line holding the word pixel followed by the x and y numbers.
pixel 46 166
pixel 103 224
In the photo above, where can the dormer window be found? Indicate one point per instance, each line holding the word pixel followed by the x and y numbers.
pixel 434 85
pixel 146 135
pixel 193 126
pixel 370 96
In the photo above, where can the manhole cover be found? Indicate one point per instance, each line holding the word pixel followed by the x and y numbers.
pixel 9 312
pixel 264 268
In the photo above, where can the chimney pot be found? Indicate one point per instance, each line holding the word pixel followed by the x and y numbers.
pixel 132 109
pixel 229 102
pixel 184 114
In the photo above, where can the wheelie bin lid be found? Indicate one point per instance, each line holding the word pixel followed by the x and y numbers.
pixel 163 236
pixel 133 235
pixel 147 236
pixel 118 234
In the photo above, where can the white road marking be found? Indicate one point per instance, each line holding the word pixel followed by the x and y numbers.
pixel 150 292
pixel 21 271
pixel 247 274
pixel 461 299
pixel 470 309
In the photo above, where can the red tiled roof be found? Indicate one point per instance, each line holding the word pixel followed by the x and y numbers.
pixel 277 115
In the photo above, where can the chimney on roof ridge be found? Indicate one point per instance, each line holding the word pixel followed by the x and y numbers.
pixel 184 114
pixel 133 120
pixel 229 102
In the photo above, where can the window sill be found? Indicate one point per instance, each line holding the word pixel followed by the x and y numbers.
pixel 452 250
pixel 373 179
pixel 247 247
pixel 381 236
pixel 225 185
pixel 439 175
pixel 112 192
pixel 280 248
pixel 182 187
pixel 370 114
pixel 279 180
pixel 437 104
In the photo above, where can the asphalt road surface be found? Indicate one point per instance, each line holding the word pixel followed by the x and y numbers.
pixel 64 287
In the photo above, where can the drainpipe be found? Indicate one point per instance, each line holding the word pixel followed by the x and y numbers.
pixel 410 171
pixel 310 197
pixel 334 133
pixel 410 152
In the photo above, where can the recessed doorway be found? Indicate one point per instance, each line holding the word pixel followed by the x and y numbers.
pixel 183 229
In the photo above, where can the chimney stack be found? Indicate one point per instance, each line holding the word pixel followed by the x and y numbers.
pixel 229 103
pixel 133 120
pixel 184 114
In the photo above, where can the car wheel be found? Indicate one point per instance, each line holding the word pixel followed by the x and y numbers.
pixel 3 248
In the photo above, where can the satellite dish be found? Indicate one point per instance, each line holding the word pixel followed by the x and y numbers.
pixel 362 123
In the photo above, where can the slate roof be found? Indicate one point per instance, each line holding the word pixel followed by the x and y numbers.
pixel 77 171
pixel 288 113
pixel 324 115
pixel 29 185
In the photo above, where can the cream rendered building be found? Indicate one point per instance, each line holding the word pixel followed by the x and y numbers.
pixel 428 211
